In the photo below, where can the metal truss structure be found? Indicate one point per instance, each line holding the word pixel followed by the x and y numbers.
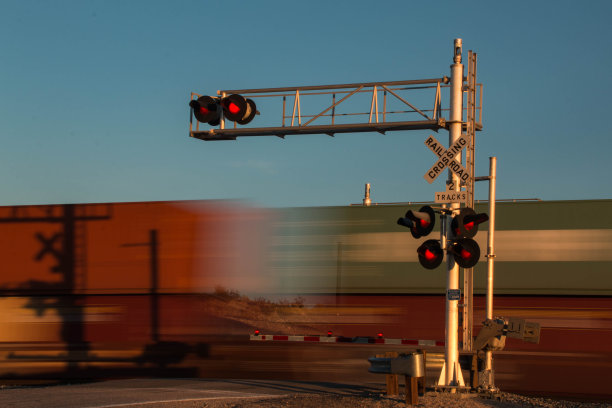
pixel 328 99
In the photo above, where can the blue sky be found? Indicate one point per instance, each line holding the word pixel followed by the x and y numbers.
pixel 94 97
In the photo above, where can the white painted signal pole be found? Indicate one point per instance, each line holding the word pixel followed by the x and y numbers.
pixel 488 369
pixel 451 371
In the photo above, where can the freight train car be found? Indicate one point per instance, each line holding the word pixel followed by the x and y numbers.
pixel 542 248
pixel 98 287
pixel 98 290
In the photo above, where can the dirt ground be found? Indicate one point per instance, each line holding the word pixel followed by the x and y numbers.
pixel 429 400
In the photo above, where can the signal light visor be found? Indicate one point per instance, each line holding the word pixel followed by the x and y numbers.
pixel 421 222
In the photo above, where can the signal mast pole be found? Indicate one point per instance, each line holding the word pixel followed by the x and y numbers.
pixel 451 372
pixel 488 369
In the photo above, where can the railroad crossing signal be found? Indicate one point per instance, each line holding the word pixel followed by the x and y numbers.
pixel 464 227
pixel 208 109
pixel 430 254
pixel 447 159
pixel 419 226
pixel 465 251
pixel 420 222
pixel 465 224
pixel 461 246
pixel 238 109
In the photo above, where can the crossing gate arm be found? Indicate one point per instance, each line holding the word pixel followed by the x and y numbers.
pixel 342 339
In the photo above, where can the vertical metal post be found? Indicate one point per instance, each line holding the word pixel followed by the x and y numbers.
pixel 384 106
pixel 366 196
pixel 443 229
pixel 338 273
pixel 436 109
pixel 468 308
pixel 284 107
pixel 222 121
pixel 488 370
pixel 374 104
pixel 334 108
pixel 451 372
pixel 296 105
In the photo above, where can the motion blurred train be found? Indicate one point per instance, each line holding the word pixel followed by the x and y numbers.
pixel 120 286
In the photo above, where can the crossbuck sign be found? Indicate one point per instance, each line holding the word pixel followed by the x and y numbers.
pixel 447 159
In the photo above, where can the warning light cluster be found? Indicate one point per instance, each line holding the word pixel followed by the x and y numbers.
pixel 237 108
pixel 461 246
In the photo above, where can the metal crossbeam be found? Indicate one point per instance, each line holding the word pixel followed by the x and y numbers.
pixel 444 80
pixel 430 118
pixel 232 134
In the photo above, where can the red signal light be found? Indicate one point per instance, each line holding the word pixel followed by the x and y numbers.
pixel 233 108
pixel 239 109
pixel 465 224
pixel 380 335
pixel 206 110
pixel 421 222
pixel 466 252
pixel 257 332
pixel 430 254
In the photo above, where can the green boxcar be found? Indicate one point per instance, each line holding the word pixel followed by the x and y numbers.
pixel 541 248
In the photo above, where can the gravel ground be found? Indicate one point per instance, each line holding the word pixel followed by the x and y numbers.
pixel 429 400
